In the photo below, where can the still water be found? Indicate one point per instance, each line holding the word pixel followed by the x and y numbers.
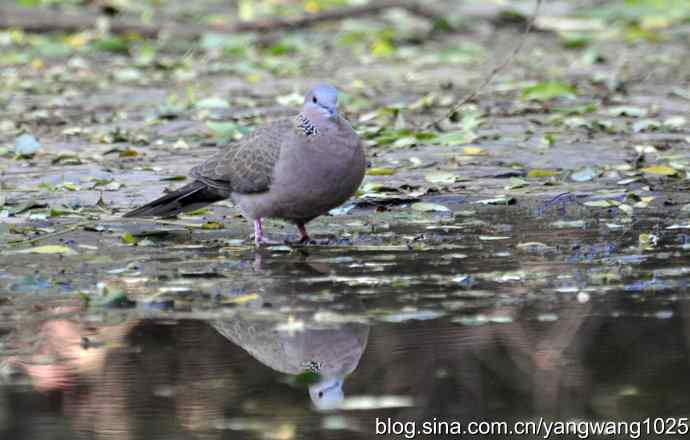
pixel 513 318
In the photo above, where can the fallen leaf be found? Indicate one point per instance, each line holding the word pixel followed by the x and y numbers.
pixel 498 200
pixel 548 90
pixel 49 249
pixel 212 102
pixel 473 151
pixel 623 110
pixel 429 207
pixel 646 125
pixel 26 145
pixel 212 225
pixel 541 173
pixel 441 177
pixel 515 183
pixel 661 170
pixel 584 175
pixel 128 238
pixel 601 203
pixel 381 171
pixel 675 122
pixel 241 299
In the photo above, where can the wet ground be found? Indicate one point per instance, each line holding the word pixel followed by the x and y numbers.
pixel 529 259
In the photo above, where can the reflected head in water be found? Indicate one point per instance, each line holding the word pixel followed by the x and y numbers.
pixel 327 394
pixel 297 344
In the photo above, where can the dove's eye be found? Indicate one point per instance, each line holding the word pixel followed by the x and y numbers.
pixel 313 99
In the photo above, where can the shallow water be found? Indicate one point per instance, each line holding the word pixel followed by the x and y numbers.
pixel 510 315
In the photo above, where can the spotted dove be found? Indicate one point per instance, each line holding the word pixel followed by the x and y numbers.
pixel 293 169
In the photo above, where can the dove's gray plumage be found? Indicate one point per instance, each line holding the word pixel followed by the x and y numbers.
pixel 332 351
pixel 294 169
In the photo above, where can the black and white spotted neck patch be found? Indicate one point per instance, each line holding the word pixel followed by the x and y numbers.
pixel 306 126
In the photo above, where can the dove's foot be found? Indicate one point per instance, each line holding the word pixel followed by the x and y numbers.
pixel 306 239
pixel 259 238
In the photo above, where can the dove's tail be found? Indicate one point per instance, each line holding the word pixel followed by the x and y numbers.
pixel 193 196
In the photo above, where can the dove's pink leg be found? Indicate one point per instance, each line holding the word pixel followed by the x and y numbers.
pixel 303 232
pixel 259 238
pixel 258 232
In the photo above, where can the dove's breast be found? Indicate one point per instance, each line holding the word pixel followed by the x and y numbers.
pixel 311 177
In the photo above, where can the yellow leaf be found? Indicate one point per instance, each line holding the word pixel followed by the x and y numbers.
pixel 312 7
pixel 661 170
pixel 38 64
pixel 473 151
pixel 212 225
pixel 648 241
pixel 78 40
pixel 381 171
pixel 541 173
pixel 253 77
pixel 241 299
pixel 49 249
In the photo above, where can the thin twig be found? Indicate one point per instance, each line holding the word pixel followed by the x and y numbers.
pixel 93 222
pixel 171 223
pixel 117 218
pixel 52 234
pixel 496 70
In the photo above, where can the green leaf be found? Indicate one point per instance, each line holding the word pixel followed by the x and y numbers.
pixel 548 90
pixel 113 44
pixel 128 238
pixel 212 102
pixel 212 225
pixel 227 130
pixel 456 138
pixel 368 187
pixel 198 212
pixel 381 171
pixel 515 183
pixel 54 212
pixel 116 298
pixel 537 172
pixel 69 186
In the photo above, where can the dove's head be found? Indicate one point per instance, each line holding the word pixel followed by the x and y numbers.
pixel 323 99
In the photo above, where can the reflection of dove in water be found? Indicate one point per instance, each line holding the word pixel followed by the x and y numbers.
pixel 332 351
